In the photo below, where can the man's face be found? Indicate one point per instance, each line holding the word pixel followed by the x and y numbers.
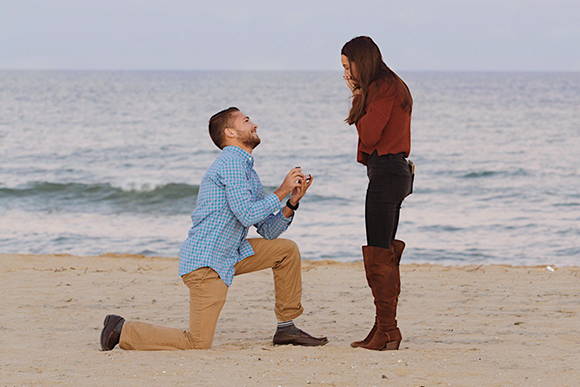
pixel 245 130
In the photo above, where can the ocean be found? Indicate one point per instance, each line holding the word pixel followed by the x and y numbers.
pixel 95 162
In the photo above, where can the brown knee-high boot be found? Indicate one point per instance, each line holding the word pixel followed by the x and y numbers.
pixel 382 272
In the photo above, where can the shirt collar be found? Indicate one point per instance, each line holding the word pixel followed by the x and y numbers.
pixel 239 152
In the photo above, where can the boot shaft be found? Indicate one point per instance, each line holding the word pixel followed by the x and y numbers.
pixel 383 276
pixel 398 247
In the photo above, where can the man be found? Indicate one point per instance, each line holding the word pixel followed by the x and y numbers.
pixel 230 200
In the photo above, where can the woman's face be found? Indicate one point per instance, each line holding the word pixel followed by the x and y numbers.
pixel 349 68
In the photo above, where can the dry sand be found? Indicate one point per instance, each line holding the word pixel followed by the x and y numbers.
pixel 469 325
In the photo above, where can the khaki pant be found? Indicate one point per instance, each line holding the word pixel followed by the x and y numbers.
pixel 207 295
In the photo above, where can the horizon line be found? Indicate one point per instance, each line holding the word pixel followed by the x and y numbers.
pixel 277 70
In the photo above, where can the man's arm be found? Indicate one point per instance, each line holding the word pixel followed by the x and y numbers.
pixel 274 225
pixel 239 196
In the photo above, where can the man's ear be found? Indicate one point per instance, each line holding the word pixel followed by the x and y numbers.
pixel 229 133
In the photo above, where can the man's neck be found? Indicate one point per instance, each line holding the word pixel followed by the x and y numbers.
pixel 242 147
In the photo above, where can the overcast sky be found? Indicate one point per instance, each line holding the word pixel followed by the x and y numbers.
pixel 491 35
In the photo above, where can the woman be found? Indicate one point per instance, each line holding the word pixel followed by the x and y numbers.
pixel 381 110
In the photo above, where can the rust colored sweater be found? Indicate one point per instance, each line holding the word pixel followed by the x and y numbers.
pixel 386 125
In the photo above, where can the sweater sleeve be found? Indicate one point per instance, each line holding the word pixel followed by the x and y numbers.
pixel 370 126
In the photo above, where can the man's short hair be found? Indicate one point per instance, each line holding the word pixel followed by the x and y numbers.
pixel 218 122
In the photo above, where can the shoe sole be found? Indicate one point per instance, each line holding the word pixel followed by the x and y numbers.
pixel 318 344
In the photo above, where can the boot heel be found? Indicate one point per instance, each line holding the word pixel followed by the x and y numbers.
pixel 392 346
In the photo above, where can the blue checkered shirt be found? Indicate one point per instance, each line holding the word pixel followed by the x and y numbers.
pixel 231 198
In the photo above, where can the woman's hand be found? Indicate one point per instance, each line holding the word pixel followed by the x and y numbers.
pixel 352 85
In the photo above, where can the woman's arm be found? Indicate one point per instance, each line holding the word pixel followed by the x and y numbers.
pixel 370 126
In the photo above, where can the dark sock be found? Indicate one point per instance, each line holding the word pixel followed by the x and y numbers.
pixel 284 325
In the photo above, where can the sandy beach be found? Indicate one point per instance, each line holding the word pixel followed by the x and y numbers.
pixel 463 325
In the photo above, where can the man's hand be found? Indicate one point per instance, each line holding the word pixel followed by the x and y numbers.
pixel 299 192
pixel 293 180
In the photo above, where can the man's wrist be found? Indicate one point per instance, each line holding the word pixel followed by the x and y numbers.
pixel 287 212
pixel 281 193
pixel 291 205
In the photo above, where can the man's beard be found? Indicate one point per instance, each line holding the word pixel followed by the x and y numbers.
pixel 252 141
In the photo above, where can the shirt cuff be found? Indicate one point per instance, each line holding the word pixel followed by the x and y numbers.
pixel 274 203
pixel 285 219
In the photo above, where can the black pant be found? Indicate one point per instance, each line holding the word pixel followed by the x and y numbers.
pixel 390 181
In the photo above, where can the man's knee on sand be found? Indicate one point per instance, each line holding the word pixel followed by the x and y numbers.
pixel 202 344
pixel 200 338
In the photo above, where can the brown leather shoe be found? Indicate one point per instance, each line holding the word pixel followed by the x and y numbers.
pixel 296 336
pixel 111 332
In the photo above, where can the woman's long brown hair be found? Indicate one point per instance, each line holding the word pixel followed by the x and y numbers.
pixel 370 67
